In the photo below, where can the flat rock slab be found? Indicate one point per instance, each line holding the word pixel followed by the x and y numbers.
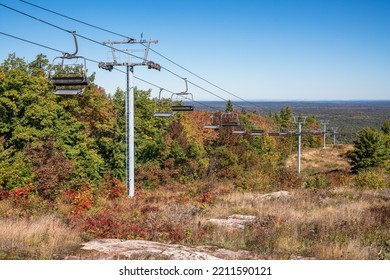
pixel 269 196
pixel 234 221
pixel 142 249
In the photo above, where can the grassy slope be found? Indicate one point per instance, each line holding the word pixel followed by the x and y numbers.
pixel 330 218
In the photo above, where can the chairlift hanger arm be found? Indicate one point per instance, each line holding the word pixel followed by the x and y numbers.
pixel 185 80
pixel 68 55
pixel 159 94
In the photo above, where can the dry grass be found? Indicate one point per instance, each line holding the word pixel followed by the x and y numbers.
pixel 39 238
pixel 330 223
pixel 330 218
pixel 326 224
pixel 322 160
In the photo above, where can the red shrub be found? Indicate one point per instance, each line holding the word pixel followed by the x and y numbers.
pixel 81 199
pixel 20 195
pixel 4 194
pixel 107 225
pixel 117 188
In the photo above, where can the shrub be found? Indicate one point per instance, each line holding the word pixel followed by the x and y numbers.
pixel 338 178
pixel 80 200
pixel 287 178
pixel 107 225
pixel 317 182
pixel 20 195
pixel 50 167
pixel 370 179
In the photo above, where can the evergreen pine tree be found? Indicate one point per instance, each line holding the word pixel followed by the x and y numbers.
pixel 370 150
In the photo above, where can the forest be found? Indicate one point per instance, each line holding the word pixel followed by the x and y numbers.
pixel 346 115
pixel 62 162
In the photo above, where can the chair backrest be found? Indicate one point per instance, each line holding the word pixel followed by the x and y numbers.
pixel 230 119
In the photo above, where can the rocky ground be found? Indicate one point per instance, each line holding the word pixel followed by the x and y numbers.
pixel 111 249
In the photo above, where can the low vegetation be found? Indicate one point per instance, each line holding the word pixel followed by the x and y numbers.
pixel 44 237
pixel 62 178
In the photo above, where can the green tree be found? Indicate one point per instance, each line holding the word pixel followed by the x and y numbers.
pixel 149 131
pixel 30 114
pixel 15 170
pixel 229 106
pixel 282 119
pixel 385 128
pixel 370 150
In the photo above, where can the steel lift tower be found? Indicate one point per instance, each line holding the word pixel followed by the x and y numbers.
pixel 129 100
pixel 334 133
pixel 299 120
pixel 324 123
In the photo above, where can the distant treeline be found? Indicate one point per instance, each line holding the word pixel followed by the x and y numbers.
pixel 349 116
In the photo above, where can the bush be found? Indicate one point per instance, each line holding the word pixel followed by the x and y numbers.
pixel 371 180
pixel 318 182
pixel 287 178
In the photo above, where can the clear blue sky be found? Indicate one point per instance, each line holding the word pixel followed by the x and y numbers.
pixel 256 49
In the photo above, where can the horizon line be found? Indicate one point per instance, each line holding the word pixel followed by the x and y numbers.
pixel 300 100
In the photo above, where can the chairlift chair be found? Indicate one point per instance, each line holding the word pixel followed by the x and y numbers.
pixel 257 132
pixel 161 107
pixel 292 132
pixel 230 119
pixel 239 129
pixel 69 77
pixel 283 132
pixel 317 132
pixel 214 123
pixel 182 101
pixel 273 134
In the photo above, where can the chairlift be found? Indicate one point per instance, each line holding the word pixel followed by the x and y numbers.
pixel 292 132
pixel 161 106
pixel 284 131
pixel 240 129
pixel 182 101
pixel 70 75
pixel 230 119
pixel 214 123
pixel 257 132
pixel 317 132
pixel 273 134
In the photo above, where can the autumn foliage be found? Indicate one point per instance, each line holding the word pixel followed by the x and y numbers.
pixel 66 156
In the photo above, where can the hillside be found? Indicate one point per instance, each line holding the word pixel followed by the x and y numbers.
pixel 322 160
pixel 224 190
